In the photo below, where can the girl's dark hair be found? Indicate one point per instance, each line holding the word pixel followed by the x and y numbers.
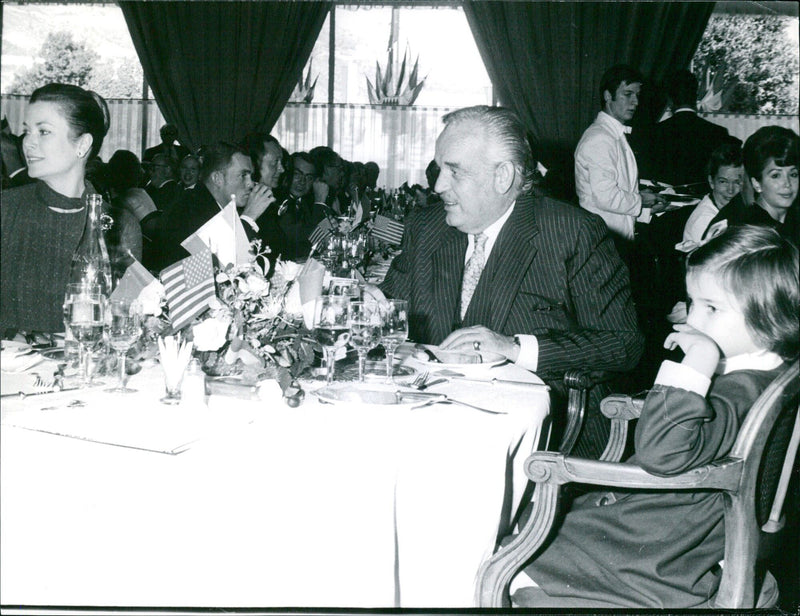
pixel 761 269
pixel 84 110
pixel 124 170
pixel 770 143
pixel 727 154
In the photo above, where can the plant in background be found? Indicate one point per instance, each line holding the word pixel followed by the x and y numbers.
pixel 387 90
pixel 304 90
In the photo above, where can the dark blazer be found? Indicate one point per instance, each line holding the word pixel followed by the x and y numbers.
pixel 681 147
pixel 165 195
pixel 553 272
pixel 191 211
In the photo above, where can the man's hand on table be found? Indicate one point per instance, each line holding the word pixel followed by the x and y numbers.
pixel 492 342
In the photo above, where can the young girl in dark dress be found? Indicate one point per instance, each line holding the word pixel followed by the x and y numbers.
pixel 657 549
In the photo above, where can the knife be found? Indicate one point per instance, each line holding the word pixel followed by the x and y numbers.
pixel 21 394
pixel 540 386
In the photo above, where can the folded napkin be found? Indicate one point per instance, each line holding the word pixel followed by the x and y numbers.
pixel 15 361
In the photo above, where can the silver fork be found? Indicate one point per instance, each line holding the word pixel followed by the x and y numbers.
pixel 420 380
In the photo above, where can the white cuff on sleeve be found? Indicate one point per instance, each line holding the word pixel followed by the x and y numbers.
pixel 646 216
pixel 673 374
pixel 250 222
pixel 528 352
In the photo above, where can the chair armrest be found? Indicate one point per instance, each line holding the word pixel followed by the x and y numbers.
pixel 555 468
pixel 578 383
pixel 622 407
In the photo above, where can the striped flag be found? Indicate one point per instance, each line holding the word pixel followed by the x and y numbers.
pixel 388 230
pixel 322 230
pixel 135 280
pixel 188 285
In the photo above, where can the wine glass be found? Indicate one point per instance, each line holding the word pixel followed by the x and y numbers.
pixel 365 330
pixel 83 315
pixel 394 315
pixel 123 326
pixel 331 328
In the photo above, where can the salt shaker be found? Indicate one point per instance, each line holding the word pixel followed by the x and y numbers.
pixel 194 384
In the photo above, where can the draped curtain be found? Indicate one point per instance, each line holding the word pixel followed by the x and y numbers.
pixel 546 59
pixel 219 70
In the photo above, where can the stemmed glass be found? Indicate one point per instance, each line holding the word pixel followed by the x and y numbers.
pixel 365 330
pixel 124 326
pixel 394 331
pixel 331 328
pixel 83 315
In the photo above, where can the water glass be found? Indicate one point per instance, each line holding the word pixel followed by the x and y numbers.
pixel 365 330
pixel 331 328
pixel 84 307
pixel 123 327
pixel 394 330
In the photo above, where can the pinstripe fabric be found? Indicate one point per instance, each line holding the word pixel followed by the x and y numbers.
pixel 553 272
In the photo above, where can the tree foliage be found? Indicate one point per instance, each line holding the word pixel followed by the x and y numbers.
pixel 63 60
pixel 758 61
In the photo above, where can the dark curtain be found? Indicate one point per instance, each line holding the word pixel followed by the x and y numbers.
pixel 221 69
pixel 545 60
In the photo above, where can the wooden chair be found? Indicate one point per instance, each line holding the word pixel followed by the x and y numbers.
pixel 753 479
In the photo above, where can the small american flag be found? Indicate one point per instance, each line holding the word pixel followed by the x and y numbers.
pixel 188 285
pixel 388 230
pixel 322 230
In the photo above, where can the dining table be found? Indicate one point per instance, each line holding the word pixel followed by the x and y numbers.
pixel 242 501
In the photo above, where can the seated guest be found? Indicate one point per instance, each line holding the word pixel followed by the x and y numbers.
pixel 663 549
pixel 42 222
pixel 169 146
pixel 189 172
pixel 771 157
pixel 682 144
pixel 266 156
pixel 331 178
pixel 15 172
pixel 125 176
pixel 298 215
pixel 226 171
pixel 371 173
pixel 725 173
pixel 162 186
pixel 501 269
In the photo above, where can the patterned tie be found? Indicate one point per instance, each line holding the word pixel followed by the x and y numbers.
pixel 472 271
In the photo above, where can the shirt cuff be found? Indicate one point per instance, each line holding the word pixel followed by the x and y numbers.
pixel 646 215
pixel 673 374
pixel 250 222
pixel 528 352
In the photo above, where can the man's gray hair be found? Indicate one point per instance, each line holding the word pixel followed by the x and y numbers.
pixel 508 132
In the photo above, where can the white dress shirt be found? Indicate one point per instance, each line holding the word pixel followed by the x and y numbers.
pixel 699 219
pixel 607 177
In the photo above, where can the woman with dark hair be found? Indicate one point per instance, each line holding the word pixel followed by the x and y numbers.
pixel 771 161
pixel 42 222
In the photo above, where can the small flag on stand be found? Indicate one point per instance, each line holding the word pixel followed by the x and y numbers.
pixel 322 230
pixel 224 235
pixel 188 285
pixel 135 280
pixel 388 230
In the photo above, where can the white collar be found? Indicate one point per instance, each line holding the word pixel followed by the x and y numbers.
pixel 615 125
pixel 758 360
pixel 682 109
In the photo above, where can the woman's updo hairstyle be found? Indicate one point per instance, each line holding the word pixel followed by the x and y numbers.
pixel 84 110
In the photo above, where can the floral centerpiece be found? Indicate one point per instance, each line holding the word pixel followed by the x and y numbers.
pixel 254 325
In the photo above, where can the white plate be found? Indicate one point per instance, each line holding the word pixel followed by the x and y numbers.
pixel 349 394
pixel 465 363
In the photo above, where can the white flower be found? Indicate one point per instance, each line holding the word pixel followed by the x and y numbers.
pixel 211 334
pixel 151 297
pixel 288 270
pixel 257 284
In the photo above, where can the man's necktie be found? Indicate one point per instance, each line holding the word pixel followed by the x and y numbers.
pixel 472 271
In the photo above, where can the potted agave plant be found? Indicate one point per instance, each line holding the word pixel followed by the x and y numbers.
pixel 389 90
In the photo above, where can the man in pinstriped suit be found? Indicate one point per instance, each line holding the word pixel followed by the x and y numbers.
pixel 553 293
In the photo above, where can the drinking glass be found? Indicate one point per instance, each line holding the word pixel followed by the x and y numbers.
pixel 83 314
pixel 331 328
pixel 123 326
pixel 365 330
pixel 394 331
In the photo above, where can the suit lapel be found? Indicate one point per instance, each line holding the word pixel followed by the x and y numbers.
pixel 447 272
pixel 510 259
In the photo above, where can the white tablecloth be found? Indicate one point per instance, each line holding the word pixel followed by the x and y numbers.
pixel 260 505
